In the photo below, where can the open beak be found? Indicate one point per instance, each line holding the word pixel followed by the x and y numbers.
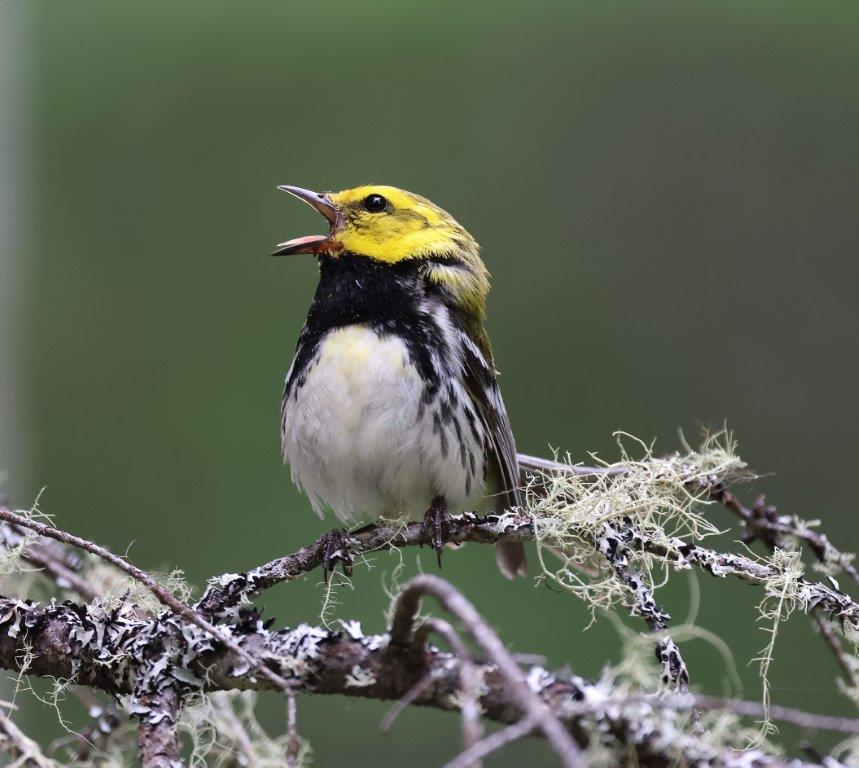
pixel 309 243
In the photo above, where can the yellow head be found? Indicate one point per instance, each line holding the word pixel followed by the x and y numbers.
pixel 392 226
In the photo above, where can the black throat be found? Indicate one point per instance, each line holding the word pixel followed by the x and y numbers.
pixel 357 289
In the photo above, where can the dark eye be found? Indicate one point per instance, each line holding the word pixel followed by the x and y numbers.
pixel 375 204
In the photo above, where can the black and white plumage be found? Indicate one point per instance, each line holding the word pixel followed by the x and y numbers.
pixel 391 402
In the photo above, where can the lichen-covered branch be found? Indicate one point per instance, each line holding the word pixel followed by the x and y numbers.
pixel 162 593
pixel 614 546
pixel 103 648
pixel 226 593
pixel 763 521
pixel 158 729
pixel 611 527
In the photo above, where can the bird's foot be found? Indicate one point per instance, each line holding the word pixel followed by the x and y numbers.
pixel 334 547
pixel 436 525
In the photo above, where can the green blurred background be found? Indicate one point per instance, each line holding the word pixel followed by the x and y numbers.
pixel 665 194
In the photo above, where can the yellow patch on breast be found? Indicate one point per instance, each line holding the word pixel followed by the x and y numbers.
pixel 359 355
pixel 359 375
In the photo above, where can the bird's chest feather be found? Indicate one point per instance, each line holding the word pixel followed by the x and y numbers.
pixel 365 436
pixel 360 388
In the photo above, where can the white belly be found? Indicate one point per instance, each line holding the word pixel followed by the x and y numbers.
pixel 358 440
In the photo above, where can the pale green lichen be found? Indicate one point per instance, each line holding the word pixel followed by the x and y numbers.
pixel 330 598
pixel 578 518
pixel 781 598
pixel 11 560
pixel 659 496
pixel 17 577
pixel 223 731
pixel 115 587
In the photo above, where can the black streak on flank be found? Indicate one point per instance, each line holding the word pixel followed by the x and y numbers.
pixel 439 430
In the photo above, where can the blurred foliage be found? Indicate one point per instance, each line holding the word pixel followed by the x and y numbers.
pixel 665 194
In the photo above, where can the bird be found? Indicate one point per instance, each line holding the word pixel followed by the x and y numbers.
pixel 391 407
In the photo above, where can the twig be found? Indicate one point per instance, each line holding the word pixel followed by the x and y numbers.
pixel 492 743
pixel 410 697
pixel 238 731
pixel 694 701
pixel 402 636
pixel 835 646
pixel 537 464
pixel 226 593
pixel 763 521
pixel 292 743
pixel 25 751
pixel 469 681
pixel 808 593
pixel 785 714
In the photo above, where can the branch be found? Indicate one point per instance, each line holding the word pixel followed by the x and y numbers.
pixel 402 636
pixel 102 649
pixel 763 521
pixel 222 644
pixel 492 743
pixel 786 714
pixel 675 674
pixel 292 744
pixel 809 594
pixel 227 593
pixel 164 596
pixel 158 736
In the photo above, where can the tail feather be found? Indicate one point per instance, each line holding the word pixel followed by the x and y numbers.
pixel 510 556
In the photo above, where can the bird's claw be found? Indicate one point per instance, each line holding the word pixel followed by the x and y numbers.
pixel 436 526
pixel 335 549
